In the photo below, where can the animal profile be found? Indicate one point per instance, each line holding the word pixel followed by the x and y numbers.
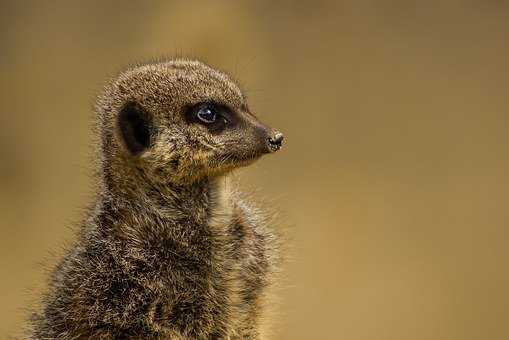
pixel 170 249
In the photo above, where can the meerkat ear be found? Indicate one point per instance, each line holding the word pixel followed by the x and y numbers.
pixel 135 128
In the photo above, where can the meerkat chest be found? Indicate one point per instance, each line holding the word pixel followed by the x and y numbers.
pixel 199 290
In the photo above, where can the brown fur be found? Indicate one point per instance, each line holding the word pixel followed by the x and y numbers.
pixel 170 250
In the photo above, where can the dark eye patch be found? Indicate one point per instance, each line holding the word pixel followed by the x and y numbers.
pixel 215 117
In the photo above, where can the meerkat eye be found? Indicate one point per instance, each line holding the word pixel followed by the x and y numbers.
pixel 215 117
pixel 207 114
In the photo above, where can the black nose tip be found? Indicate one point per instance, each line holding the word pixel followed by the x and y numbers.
pixel 275 141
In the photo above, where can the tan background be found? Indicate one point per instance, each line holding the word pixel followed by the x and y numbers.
pixel 394 178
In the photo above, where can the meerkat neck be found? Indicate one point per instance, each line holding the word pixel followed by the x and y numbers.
pixel 221 207
pixel 206 201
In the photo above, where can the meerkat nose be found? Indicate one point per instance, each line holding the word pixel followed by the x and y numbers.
pixel 276 141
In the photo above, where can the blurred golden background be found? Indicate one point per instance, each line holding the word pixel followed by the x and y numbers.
pixel 393 180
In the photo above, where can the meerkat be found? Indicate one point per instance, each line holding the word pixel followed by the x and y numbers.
pixel 169 250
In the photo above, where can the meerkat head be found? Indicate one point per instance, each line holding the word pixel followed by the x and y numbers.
pixel 180 121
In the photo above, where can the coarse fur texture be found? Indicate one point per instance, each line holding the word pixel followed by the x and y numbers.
pixel 170 250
